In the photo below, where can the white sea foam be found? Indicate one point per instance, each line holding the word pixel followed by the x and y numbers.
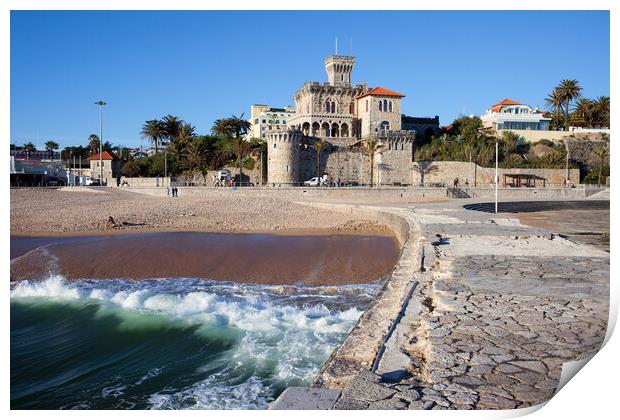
pixel 282 333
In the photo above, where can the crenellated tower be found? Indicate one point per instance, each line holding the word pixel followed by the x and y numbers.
pixel 283 156
pixel 339 69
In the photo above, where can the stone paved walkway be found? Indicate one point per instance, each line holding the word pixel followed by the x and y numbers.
pixel 500 308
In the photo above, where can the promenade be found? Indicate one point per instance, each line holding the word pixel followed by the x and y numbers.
pixel 486 324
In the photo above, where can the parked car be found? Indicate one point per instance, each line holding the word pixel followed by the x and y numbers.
pixel 316 181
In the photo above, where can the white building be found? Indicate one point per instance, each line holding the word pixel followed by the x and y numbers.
pixel 513 115
pixel 264 118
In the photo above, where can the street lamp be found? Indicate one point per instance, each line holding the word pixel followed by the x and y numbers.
pixel 496 172
pixel 101 105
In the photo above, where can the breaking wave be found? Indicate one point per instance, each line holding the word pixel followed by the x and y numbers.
pixel 171 343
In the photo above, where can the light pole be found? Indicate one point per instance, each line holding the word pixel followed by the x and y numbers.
pixel 496 171
pixel 101 105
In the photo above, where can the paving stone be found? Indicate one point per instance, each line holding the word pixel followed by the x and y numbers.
pixel 463 398
pixel 531 365
pixel 421 405
pixel 480 369
pixel 408 395
pixel 468 380
pixel 365 390
pixel 303 398
pixel 529 377
pixel 506 368
pixel 390 404
pixel 437 399
pixel 350 404
pixel 495 402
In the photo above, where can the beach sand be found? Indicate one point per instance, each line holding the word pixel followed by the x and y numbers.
pixel 51 212
pixel 241 239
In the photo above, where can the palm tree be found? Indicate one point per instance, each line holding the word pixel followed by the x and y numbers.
pixel 570 91
pixel 240 150
pixel 239 125
pixel 171 126
pixel 370 147
pixel 195 155
pixel 585 111
pixel 601 154
pixel 319 145
pixel 554 102
pixel 93 144
pixel 29 148
pixel 178 146
pixel 153 130
pixel 51 145
pixel 602 105
pixel 424 168
pixel 222 128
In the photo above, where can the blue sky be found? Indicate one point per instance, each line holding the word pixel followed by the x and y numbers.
pixel 204 65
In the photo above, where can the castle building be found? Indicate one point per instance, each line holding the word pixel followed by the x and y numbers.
pixel 343 114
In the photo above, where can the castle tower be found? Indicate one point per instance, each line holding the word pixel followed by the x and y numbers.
pixel 339 69
pixel 283 156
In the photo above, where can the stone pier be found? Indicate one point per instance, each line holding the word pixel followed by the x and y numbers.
pixel 485 320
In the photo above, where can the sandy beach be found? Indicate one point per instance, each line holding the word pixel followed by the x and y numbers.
pixel 50 212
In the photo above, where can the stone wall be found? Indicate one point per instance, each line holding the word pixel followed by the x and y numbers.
pixel 475 175
pixel 532 136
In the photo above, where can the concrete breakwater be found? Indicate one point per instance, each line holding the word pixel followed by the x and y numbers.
pixel 489 323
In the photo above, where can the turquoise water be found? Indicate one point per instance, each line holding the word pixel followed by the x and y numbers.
pixel 173 343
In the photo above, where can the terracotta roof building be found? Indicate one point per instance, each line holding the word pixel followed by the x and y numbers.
pixel 508 114
pixel 110 168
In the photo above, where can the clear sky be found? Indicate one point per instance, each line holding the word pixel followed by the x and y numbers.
pixel 203 65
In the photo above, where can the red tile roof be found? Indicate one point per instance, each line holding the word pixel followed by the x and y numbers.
pixel 379 91
pixel 508 102
pixel 106 156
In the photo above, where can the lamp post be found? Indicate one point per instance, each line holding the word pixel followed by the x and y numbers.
pixel 101 105
pixel 496 171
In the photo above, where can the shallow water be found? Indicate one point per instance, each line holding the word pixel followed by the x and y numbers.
pixel 173 343
pixel 248 258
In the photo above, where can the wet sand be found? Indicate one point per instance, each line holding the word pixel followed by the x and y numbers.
pixel 246 258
